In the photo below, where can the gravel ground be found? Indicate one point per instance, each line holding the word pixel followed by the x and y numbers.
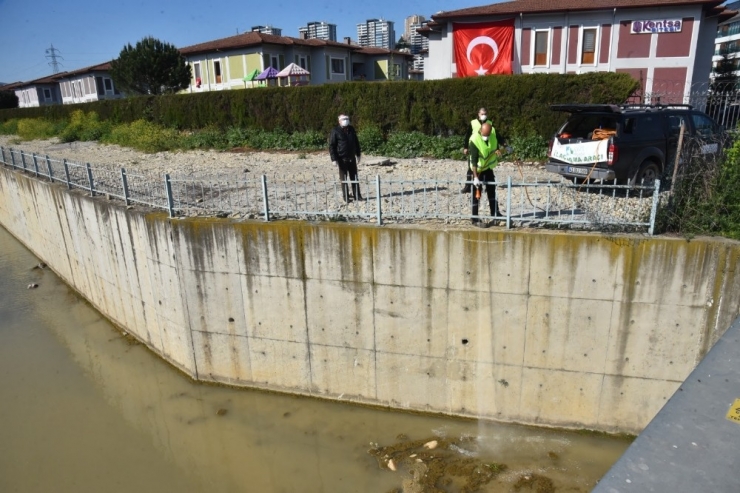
pixel 306 185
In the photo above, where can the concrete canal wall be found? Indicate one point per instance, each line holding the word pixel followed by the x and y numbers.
pixel 558 329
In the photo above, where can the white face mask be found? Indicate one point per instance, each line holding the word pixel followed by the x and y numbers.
pixel 344 122
pixel 484 137
pixel 483 117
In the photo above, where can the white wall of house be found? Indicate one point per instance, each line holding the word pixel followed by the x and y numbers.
pixel 87 88
pixel 438 63
pixel 38 95
pixel 27 97
pixel 334 66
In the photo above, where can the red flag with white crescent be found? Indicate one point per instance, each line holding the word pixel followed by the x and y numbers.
pixel 483 48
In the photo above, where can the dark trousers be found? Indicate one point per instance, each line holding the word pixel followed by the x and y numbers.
pixel 487 177
pixel 348 171
pixel 468 174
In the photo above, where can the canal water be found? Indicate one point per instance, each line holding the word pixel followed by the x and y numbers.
pixel 84 408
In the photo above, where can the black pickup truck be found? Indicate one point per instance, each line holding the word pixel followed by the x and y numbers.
pixel 633 144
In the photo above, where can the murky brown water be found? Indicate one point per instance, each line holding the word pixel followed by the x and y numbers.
pixel 83 409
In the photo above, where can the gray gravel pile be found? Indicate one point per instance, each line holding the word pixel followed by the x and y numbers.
pixel 305 185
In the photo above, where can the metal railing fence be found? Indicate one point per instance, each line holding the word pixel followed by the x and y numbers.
pixel 598 206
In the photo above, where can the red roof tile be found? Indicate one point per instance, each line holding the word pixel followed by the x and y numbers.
pixel 101 67
pixel 254 38
pixel 371 50
pixel 524 6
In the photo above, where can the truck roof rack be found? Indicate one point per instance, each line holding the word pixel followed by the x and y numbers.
pixel 656 106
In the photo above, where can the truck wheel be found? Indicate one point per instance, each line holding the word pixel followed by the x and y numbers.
pixel 646 174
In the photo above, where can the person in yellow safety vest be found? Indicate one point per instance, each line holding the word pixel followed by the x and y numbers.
pixel 484 154
pixel 473 128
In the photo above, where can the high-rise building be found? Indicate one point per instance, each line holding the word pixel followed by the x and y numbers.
pixel 409 23
pixel 318 30
pixel 417 44
pixel 378 33
pixel 276 31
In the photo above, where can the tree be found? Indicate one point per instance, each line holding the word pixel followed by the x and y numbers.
pixel 152 67
pixel 402 44
pixel 8 99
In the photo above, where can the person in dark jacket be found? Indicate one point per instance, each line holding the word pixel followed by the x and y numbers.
pixel 344 149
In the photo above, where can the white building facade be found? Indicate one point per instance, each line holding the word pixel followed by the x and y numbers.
pixel 728 38
pixel 318 30
pixel 377 33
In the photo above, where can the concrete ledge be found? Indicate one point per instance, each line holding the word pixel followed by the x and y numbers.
pixel 690 445
pixel 537 327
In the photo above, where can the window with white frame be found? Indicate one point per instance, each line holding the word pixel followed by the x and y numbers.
pixel 274 63
pixel 337 66
pixel 108 85
pixel 47 94
pixel 302 62
pixel 196 74
pixel 541 47
pixel 397 70
pixel 217 71
pixel 588 46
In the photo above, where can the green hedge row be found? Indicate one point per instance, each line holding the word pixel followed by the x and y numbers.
pixel 518 104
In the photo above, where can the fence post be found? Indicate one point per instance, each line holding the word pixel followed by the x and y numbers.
pixel 48 168
pixel 678 154
pixel 380 202
pixel 2 154
pixel 124 180
pixel 23 160
pixel 66 173
pixel 654 208
pixel 170 200
pixel 90 178
pixel 264 198
pixel 508 202
pixel 12 158
pixel 35 165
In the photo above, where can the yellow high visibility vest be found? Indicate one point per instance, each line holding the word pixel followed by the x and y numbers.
pixel 487 158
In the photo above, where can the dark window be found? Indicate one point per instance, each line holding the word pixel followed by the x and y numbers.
pixel 217 71
pixel 108 84
pixel 99 86
pixel 649 126
pixel 337 66
pixel 674 125
pixel 705 126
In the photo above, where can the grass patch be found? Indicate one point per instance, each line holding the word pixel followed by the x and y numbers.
pixel 150 137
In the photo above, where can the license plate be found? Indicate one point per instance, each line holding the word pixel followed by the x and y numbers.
pixel 577 170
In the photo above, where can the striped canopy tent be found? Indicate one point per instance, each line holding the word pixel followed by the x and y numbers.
pixel 250 77
pixel 294 75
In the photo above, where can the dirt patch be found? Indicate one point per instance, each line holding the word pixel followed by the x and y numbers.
pixel 437 465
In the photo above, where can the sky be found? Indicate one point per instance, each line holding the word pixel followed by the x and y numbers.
pixel 89 32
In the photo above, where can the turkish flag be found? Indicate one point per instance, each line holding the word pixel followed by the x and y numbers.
pixel 484 48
